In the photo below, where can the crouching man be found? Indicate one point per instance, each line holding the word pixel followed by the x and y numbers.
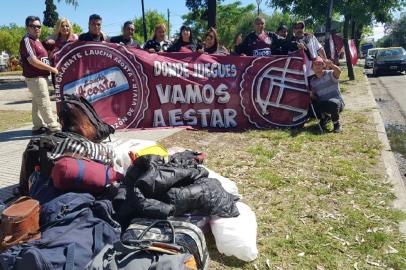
pixel 325 92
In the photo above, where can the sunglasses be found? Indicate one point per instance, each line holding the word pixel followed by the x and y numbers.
pixel 298 28
pixel 35 26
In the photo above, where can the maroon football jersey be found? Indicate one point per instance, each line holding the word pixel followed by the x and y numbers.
pixel 262 46
pixel 31 47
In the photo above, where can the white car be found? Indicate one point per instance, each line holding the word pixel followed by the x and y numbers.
pixel 370 57
pixel 4 59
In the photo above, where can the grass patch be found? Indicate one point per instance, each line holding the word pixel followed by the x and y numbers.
pixel 321 200
pixel 10 119
pixel 11 73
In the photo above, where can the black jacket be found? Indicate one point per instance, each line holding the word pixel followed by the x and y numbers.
pixel 123 41
pixel 153 44
pixel 193 46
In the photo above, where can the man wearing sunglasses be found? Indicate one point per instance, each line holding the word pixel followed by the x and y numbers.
pixel 95 33
pixel 127 37
pixel 36 69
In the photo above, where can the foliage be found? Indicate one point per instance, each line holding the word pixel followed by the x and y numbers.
pixel 234 19
pixel 397 37
pixel 74 3
pixel 10 37
pixel 152 18
pixel 50 14
pixel 76 28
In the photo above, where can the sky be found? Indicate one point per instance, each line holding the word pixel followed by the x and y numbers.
pixel 114 13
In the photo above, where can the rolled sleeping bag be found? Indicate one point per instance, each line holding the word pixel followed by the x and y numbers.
pixel 71 174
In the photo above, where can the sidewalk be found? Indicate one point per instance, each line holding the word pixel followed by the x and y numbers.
pixel 14 142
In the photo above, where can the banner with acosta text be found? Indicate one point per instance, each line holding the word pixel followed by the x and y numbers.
pixel 131 88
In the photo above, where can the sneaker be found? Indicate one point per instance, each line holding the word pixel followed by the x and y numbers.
pixel 324 121
pixel 337 127
pixel 54 129
pixel 39 131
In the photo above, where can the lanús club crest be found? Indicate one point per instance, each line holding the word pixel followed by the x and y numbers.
pixel 278 93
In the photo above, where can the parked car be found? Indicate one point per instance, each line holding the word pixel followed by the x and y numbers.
pixel 390 59
pixel 370 57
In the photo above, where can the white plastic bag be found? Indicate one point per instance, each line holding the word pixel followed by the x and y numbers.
pixel 237 236
pixel 121 148
pixel 227 184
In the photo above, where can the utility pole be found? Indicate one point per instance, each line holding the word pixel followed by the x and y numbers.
pixel 328 29
pixel 144 26
pixel 169 30
pixel 258 3
pixel 211 9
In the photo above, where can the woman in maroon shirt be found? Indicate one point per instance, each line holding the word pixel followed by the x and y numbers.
pixel 63 33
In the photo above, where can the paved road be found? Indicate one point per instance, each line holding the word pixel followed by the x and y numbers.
pixel 390 94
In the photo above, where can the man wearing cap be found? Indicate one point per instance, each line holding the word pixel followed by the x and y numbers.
pixel 260 42
pixel 36 69
pixel 307 42
pixel 325 92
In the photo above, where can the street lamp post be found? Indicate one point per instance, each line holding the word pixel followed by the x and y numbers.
pixel 327 47
pixel 144 26
pixel 258 3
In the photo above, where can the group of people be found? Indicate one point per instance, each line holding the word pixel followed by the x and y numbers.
pixel 37 59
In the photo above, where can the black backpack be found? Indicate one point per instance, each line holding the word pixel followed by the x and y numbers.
pixel 103 130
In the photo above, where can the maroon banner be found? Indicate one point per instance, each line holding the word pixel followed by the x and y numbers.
pixel 131 88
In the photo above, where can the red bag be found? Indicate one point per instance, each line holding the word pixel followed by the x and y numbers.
pixel 70 174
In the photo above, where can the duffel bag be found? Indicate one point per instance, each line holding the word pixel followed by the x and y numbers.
pixel 70 174
pixel 187 235
pixel 139 254
pixel 74 229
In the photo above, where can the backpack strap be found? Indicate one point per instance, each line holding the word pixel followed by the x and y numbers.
pixel 70 257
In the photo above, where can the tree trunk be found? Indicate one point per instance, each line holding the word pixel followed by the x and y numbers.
pixel 347 47
pixel 358 35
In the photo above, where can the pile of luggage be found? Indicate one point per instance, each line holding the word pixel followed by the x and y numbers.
pixel 102 204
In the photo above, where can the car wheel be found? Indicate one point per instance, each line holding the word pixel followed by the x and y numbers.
pixel 375 72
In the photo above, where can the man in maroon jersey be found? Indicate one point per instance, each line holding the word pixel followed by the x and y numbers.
pixel 260 42
pixel 36 69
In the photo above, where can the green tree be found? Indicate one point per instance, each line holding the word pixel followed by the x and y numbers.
pixel 10 37
pixel 76 28
pixel 229 15
pixel 152 18
pixel 397 36
pixel 50 14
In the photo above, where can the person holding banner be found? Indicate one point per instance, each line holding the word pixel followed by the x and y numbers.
pixel 185 42
pixel 126 38
pixel 307 42
pixel 158 43
pixel 325 92
pixel 211 44
pixel 63 33
pixel 95 33
pixel 259 43
pixel 36 69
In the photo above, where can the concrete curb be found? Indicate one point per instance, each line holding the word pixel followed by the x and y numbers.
pixel 391 167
